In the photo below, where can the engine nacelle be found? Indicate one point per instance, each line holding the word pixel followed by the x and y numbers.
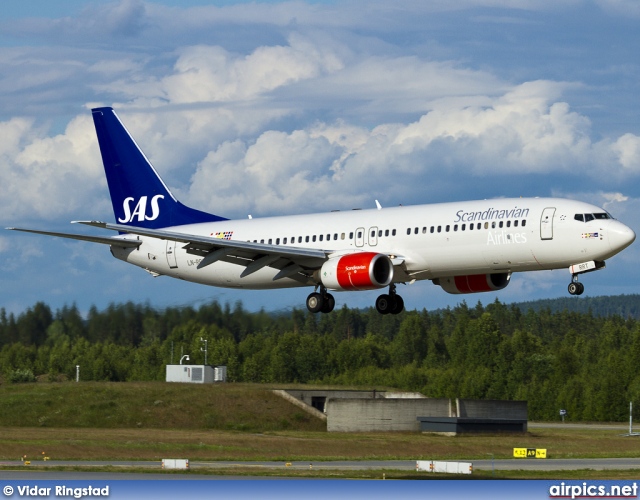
pixel 357 271
pixel 474 283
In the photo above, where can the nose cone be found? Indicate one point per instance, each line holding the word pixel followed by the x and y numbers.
pixel 620 236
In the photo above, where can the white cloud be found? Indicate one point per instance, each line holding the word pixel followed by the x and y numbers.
pixel 48 177
pixel 627 149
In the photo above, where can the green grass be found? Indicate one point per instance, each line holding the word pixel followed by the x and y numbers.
pixel 150 405
pixel 242 422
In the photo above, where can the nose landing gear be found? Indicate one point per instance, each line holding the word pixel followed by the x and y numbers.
pixel 575 287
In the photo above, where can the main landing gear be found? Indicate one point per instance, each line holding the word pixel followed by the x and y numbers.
pixel 321 302
pixel 391 303
pixel 324 302
pixel 575 287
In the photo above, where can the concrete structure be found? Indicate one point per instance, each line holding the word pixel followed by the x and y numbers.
pixel 317 398
pixel 194 374
pixel 371 411
pixel 371 415
pixel 475 415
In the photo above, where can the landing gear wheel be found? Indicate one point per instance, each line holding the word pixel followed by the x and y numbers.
pixel 329 303
pixel 315 302
pixel 576 288
pixel 384 304
pixel 398 305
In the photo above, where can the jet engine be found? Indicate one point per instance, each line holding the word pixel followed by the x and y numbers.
pixel 474 283
pixel 357 271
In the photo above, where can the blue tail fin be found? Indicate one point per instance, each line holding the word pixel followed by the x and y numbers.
pixel 139 196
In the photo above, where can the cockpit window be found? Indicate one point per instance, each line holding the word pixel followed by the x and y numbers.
pixel 590 217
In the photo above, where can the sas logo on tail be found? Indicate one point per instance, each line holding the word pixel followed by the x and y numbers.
pixel 140 211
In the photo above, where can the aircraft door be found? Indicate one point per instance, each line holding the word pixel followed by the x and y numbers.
pixel 546 223
pixel 360 237
pixel 373 236
pixel 171 254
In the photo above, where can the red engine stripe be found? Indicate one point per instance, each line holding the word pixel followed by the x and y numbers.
pixel 479 283
pixel 353 270
pixel 462 284
pixel 473 283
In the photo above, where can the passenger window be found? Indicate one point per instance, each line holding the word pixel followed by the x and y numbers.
pixel 500 224
pixel 408 230
pixel 313 238
pixel 261 241
pixel 470 227
pixel 270 241
pixel 464 226
pixel 306 239
pixel 342 236
pixel 380 233
pixel 415 231
pixel 515 223
pixel 320 237
pixel 432 229
pixel 579 217
pixel 299 239
pixel 424 230
pixel 386 232
pixel 524 223
pixel 277 241
pixel 439 229
pixel 393 232
pixel 508 223
pixel 486 225
pixel 350 236
pixel 493 225
pixel 335 236
pixel 448 227
pixel 455 227
pixel 359 234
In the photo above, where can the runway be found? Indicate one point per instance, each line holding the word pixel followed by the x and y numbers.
pixel 37 470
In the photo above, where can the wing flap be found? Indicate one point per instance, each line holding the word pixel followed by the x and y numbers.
pixel 203 245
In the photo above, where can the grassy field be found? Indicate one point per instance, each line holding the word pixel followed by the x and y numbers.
pixel 151 421
pixel 150 405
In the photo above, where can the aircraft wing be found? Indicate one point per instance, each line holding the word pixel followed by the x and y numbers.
pixel 293 262
pixel 121 242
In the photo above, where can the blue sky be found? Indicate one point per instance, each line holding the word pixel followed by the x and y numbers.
pixel 273 108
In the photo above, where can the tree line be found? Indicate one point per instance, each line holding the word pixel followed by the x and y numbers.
pixel 577 361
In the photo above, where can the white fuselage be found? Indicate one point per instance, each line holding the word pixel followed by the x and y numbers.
pixel 426 241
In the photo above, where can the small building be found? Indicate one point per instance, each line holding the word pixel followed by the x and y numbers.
pixel 194 374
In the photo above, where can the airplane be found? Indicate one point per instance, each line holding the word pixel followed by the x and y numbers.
pixel 464 247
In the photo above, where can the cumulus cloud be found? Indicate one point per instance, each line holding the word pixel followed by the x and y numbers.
pixel 523 130
pixel 47 177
